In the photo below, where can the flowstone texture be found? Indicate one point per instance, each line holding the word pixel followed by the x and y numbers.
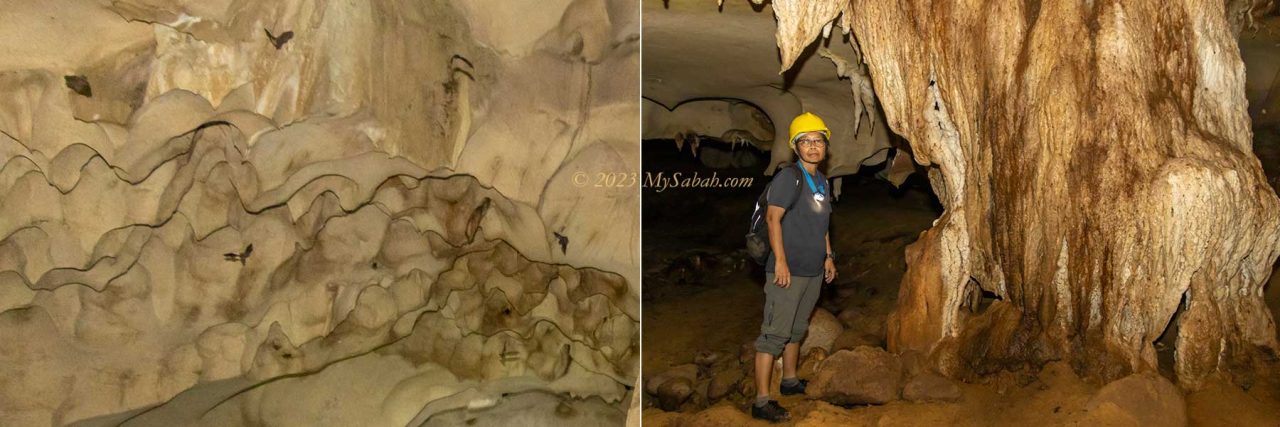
pixel 317 212
pixel 1096 166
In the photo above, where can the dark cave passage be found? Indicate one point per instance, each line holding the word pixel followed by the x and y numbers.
pixel 1166 344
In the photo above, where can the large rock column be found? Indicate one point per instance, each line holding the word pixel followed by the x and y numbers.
pixel 1095 163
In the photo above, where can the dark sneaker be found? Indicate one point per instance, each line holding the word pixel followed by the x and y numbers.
pixel 796 389
pixel 771 412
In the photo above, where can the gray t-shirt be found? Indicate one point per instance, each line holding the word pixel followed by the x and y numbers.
pixel 804 226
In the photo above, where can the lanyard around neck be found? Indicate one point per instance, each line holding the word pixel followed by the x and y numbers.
pixel 816 189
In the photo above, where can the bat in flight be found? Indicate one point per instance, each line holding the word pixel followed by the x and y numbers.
pixel 280 40
pixel 563 241
pixel 242 257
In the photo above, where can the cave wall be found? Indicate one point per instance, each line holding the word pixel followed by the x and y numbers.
pixel 696 52
pixel 1095 163
pixel 402 169
pixel 731 121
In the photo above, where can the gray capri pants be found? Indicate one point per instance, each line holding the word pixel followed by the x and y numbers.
pixel 786 312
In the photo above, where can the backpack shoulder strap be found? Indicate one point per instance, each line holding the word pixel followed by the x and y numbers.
pixel 795 196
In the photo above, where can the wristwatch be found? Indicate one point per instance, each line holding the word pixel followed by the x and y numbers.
pixel 831 255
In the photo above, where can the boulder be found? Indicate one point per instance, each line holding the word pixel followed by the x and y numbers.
pixel 747 353
pixel 673 393
pixel 850 317
pixel 1144 399
pixel 913 363
pixel 931 387
pixel 700 391
pixel 823 330
pixel 724 383
pixel 862 320
pixel 747 386
pixel 709 362
pixel 851 339
pixel 687 371
pixel 864 375
pixel 1004 381
pixel 810 362
pixel 709 358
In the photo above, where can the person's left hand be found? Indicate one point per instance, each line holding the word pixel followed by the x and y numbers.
pixel 829 268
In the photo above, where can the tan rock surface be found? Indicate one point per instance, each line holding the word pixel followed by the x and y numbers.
pixel 1094 170
pixel 369 210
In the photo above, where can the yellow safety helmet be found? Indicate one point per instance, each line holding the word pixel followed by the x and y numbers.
pixel 805 123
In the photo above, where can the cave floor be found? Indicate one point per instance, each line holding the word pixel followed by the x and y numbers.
pixel 1055 398
pixel 701 293
pixel 701 296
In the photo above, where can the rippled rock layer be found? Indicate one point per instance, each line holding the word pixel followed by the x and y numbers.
pixel 317 212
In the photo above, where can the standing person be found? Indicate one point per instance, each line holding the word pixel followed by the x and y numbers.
pixel 800 261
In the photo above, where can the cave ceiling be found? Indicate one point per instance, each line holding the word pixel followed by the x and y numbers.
pixel 696 49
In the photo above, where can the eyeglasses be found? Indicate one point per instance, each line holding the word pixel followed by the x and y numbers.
pixel 805 143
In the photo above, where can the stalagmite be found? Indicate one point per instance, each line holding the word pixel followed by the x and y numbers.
pixel 1095 163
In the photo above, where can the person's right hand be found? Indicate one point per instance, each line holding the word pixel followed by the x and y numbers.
pixel 781 274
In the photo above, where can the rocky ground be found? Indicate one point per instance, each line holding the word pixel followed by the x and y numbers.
pixel 702 308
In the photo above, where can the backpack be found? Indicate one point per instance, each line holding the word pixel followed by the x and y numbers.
pixel 758 234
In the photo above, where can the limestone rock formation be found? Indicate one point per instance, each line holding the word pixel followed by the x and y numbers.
pixel 1095 163
pixel 713 72
pixel 204 221
pixel 735 122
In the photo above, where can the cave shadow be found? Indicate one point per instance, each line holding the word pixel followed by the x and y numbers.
pixel 789 76
pixel 916 183
pixel 1166 344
